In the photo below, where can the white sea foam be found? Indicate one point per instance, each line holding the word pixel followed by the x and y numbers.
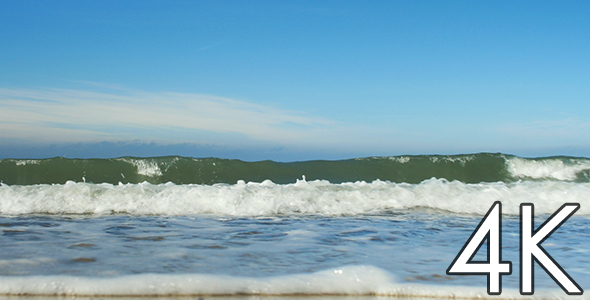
pixel 317 197
pixel 145 167
pixel 400 159
pixel 461 159
pixel 23 162
pixel 547 168
pixel 351 280
pixel 23 261
pixel 435 159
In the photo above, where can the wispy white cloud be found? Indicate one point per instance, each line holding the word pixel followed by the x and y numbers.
pixel 66 115
pixel 107 113
pixel 205 48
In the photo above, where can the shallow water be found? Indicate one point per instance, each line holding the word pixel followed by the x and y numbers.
pixel 416 246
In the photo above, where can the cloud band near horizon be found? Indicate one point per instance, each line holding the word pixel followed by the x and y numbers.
pixel 69 116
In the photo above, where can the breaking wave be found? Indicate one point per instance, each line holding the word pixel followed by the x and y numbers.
pixel 318 197
pixel 468 168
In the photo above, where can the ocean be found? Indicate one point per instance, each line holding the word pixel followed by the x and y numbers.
pixel 180 227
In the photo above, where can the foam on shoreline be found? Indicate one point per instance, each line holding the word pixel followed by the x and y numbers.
pixel 349 281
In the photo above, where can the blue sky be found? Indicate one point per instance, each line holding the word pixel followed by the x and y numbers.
pixel 293 80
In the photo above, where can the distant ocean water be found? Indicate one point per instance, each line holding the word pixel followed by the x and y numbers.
pixel 178 226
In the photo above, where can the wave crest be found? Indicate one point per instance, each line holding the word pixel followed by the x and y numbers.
pixel 468 168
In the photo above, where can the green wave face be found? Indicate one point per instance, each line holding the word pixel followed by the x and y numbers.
pixel 471 168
